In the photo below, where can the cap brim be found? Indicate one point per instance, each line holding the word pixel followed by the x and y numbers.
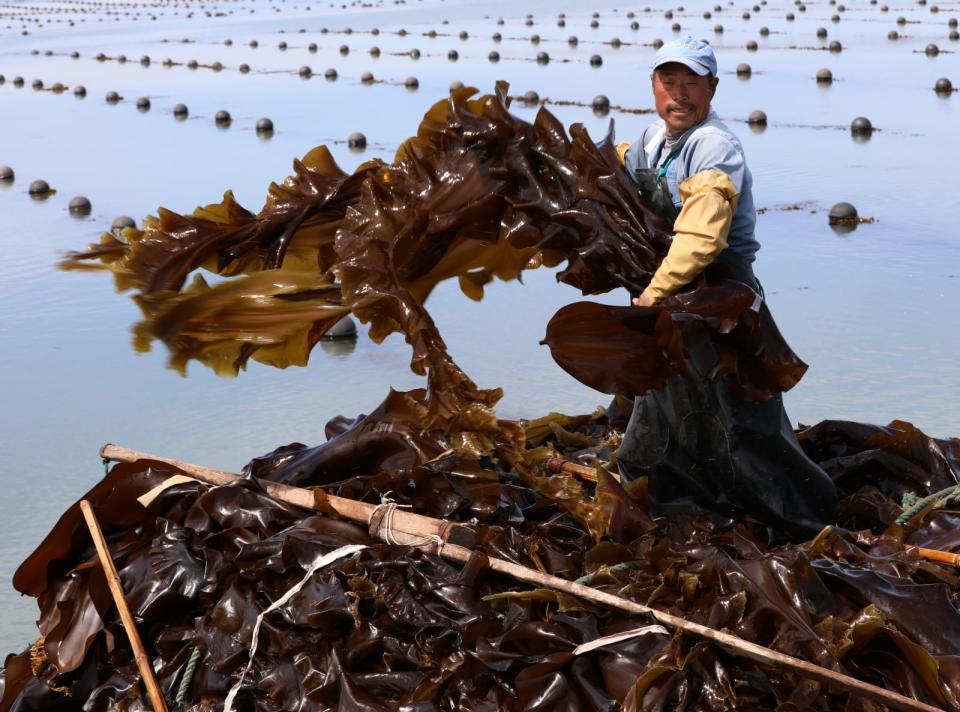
pixel 692 64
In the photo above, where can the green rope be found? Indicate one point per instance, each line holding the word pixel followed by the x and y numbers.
pixel 183 692
pixel 615 569
pixel 912 504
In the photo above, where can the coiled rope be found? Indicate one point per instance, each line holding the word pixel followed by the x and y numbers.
pixel 913 506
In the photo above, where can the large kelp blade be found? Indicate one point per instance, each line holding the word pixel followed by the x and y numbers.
pixel 710 333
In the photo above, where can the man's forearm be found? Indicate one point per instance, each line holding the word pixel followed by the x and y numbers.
pixel 700 232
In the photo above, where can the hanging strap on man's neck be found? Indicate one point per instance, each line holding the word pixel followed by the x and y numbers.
pixel 677 147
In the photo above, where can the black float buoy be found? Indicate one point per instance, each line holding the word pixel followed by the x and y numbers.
pixel 821 32
pixel 676 27
pixel 39 188
pixel 344 49
pixel 222 118
pixel 414 53
pixel 357 140
pixel 143 104
pixel 932 50
pixel 496 37
pixel 764 31
pixel 180 111
pixel 718 29
pixel 112 97
pixel 943 86
pixel 453 55
pixel 264 127
pixel 824 76
pixel 122 222
pixel 573 41
pixel 835 47
pixel 531 97
pixel 145 61
pixel 657 43
pixel 37 84
pixel 80 91
pixel 752 46
pixel 842 213
pixel 464 34
pixel 254 44
pixel 757 118
pixel 600 104
pixel 6 174
pixel 330 74
pixel 346 328
pixel 312 48
pixel 79 206
pixel 366 78
pixel 596 60
pixel 861 126
pixel 744 70
pixel 305 72
pixel 893 35
pixel 244 68
pixel 193 64
pixel 543 58
pixel 374 51
pixel 411 82
pixel 494 56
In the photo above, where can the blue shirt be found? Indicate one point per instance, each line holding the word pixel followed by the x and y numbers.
pixel 710 146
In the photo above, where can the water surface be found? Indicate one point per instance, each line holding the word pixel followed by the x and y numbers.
pixel 873 311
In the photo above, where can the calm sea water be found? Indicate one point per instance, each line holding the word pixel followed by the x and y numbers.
pixel 873 311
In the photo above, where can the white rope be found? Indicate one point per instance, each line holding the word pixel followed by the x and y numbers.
pixel 617 637
pixel 390 507
pixel 325 560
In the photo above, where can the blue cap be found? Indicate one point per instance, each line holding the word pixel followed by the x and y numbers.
pixel 695 54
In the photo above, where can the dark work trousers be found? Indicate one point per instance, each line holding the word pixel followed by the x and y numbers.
pixel 705 449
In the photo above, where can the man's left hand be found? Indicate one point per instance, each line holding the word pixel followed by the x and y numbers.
pixel 644 300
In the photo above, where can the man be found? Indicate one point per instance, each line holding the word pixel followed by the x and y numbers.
pixel 703 448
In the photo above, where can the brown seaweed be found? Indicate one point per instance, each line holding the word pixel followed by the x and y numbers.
pixel 478 194
pixel 398 628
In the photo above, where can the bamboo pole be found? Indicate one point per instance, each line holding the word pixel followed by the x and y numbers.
pixel 304 498
pixel 943 557
pixel 116 589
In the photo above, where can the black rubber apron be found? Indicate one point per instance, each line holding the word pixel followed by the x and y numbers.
pixel 704 449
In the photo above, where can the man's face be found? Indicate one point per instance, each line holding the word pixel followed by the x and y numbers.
pixel 682 96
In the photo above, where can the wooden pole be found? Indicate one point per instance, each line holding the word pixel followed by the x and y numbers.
pixel 943 557
pixel 304 498
pixel 113 581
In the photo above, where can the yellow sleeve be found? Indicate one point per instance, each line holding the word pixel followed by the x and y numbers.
pixel 700 231
pixel 622 149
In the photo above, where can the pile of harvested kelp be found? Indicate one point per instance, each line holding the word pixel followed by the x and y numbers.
pixel 478 194
pixel 400 628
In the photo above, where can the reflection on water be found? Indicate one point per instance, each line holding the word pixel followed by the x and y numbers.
pixel 71 382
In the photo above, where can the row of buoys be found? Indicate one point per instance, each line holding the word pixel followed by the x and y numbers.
pixel 40 188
